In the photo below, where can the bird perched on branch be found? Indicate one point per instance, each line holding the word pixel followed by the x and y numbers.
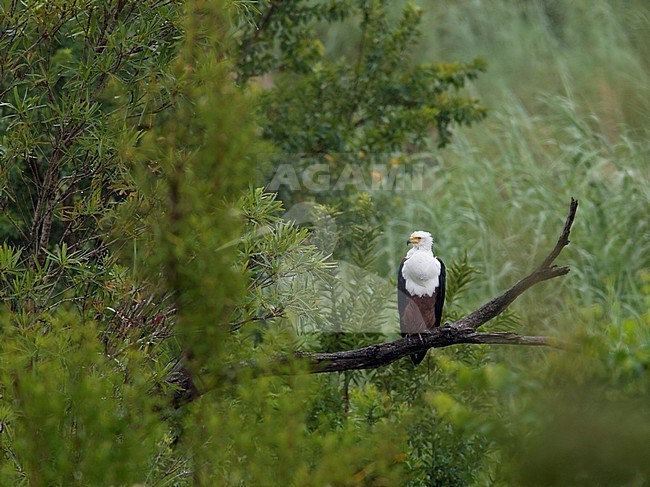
pixel 420 289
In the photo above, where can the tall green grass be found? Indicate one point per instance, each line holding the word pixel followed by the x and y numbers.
pixel 594 52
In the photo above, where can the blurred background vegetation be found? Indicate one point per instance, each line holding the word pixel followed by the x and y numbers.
pixel 144 131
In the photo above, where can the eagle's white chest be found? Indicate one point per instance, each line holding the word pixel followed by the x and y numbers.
pixel 421 272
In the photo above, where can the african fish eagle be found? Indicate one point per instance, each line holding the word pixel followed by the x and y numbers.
pixel 420 289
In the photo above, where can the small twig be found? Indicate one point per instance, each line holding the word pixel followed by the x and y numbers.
pixel 259 28
pixel 508 338
pixel 563 241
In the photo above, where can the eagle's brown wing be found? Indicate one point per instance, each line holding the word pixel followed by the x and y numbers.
pixel 419 314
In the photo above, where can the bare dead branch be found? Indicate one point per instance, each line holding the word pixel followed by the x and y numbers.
pixel 375 356
pixel 563 241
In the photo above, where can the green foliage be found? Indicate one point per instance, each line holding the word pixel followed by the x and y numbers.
pixel 68 415
pixel 77 79
pixel 129 134
pixel 250 445
pixel 349 112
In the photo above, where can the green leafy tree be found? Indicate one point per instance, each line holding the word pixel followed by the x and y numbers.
pixel 373 99
pixel 361 116
pixel 78 79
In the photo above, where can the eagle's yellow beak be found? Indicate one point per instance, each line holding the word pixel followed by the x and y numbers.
pixel 413 240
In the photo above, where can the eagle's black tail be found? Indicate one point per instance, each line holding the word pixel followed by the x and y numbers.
pixel 418 357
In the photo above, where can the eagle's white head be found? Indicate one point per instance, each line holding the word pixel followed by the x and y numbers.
pixel 421 269
pixel 421 240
